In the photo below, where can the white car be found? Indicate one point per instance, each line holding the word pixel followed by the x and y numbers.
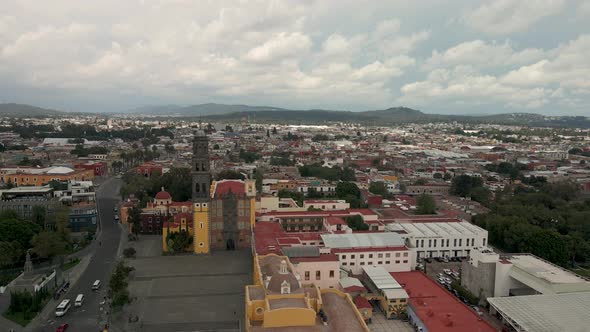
pixel 447 271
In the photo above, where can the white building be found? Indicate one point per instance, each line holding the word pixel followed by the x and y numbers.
pixel 441 239
pixel 527 274
pixel 326 204
pixel 358 250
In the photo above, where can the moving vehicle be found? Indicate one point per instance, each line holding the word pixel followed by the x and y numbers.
pixel 79 300
pixel 62 328
pixel 63 308
pixel 96 285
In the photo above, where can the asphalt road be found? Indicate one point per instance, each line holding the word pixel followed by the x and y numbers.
pixel 86 318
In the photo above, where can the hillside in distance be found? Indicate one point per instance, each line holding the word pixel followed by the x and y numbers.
pixel 200 109
pixel 397 115
pixel 23 110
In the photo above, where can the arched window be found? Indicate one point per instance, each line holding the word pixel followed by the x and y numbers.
pixel 197 167
pixel 204 187
pixel 203 167
pixel 197 188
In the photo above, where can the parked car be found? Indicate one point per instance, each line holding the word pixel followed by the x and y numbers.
pixel 428 260
pixel 455 292
pixel 438 259
pixel 445 259
pixel 447 271
pixel 456 275
pixel 477 310
pixel 116 217
pixel 62 328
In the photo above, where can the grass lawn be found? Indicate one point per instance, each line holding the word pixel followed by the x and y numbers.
pixel 70 264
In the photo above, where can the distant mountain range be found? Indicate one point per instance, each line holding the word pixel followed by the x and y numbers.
pixel 20 110
pixel 395 115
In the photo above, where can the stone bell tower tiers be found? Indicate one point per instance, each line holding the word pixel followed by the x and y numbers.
pixel 201 193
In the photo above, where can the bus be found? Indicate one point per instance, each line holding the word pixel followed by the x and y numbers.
pixel 79 300
pixel 62 308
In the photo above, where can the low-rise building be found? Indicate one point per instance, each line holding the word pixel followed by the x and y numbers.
pixel 452 238
pixel 358 250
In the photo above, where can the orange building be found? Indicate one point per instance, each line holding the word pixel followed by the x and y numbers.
pixel 31 176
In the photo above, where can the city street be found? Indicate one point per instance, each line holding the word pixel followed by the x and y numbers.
pixel 86 318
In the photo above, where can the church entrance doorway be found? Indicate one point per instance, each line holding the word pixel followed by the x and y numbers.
pixel 230 245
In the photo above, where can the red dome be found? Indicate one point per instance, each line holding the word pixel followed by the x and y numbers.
pixel 163 195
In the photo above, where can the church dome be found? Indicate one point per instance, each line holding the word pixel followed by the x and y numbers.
pixel 163 195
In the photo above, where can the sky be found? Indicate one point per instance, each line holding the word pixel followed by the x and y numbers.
pixel 450 57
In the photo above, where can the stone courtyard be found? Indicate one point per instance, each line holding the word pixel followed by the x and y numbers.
pixel 188 292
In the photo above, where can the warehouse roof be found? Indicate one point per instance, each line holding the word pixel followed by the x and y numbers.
pixel 362 240
pixel 546 313
pixel 430 229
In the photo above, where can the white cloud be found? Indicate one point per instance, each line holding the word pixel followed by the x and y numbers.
pixel 478 52
pixel 502 17
pixel 568 67
pixel 280 46
pixel 332 54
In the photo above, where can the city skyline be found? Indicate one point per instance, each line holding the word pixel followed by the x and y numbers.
pixel 464 58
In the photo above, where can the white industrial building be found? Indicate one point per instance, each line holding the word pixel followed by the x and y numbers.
pixel 441 239
pixel 358 250
pixel 545 313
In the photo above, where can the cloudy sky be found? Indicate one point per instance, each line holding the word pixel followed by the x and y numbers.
pixel 465 57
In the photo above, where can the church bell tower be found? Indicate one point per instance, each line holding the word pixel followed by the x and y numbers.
pixel 201 193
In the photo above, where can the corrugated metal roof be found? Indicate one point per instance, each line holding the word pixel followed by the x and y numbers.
pixel 381 278
pixel 546 313
pixel 362 240
pixel 301 251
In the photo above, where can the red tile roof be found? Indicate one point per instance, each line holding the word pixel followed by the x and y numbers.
pixel 354 289
pixel 362 302
pixel 335 221
pixel 438 309
pixel 320 258
pixel 225 186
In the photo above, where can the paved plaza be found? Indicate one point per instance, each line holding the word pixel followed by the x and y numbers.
pixel 189 292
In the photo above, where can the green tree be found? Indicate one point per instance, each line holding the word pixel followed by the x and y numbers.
pixel 39 215
pixel 481 195
pixel 12 229
pixel 447 176
pixel 421 182
pixel 228 174
pixel 179 241
pixel 356 223
pixel 296 196
pixel 134 219
pixel 259 177
pixel 10 253
pixel 344 189
pixel 425 204
pixel 463 184
pixel 378 188
pixel 48 244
